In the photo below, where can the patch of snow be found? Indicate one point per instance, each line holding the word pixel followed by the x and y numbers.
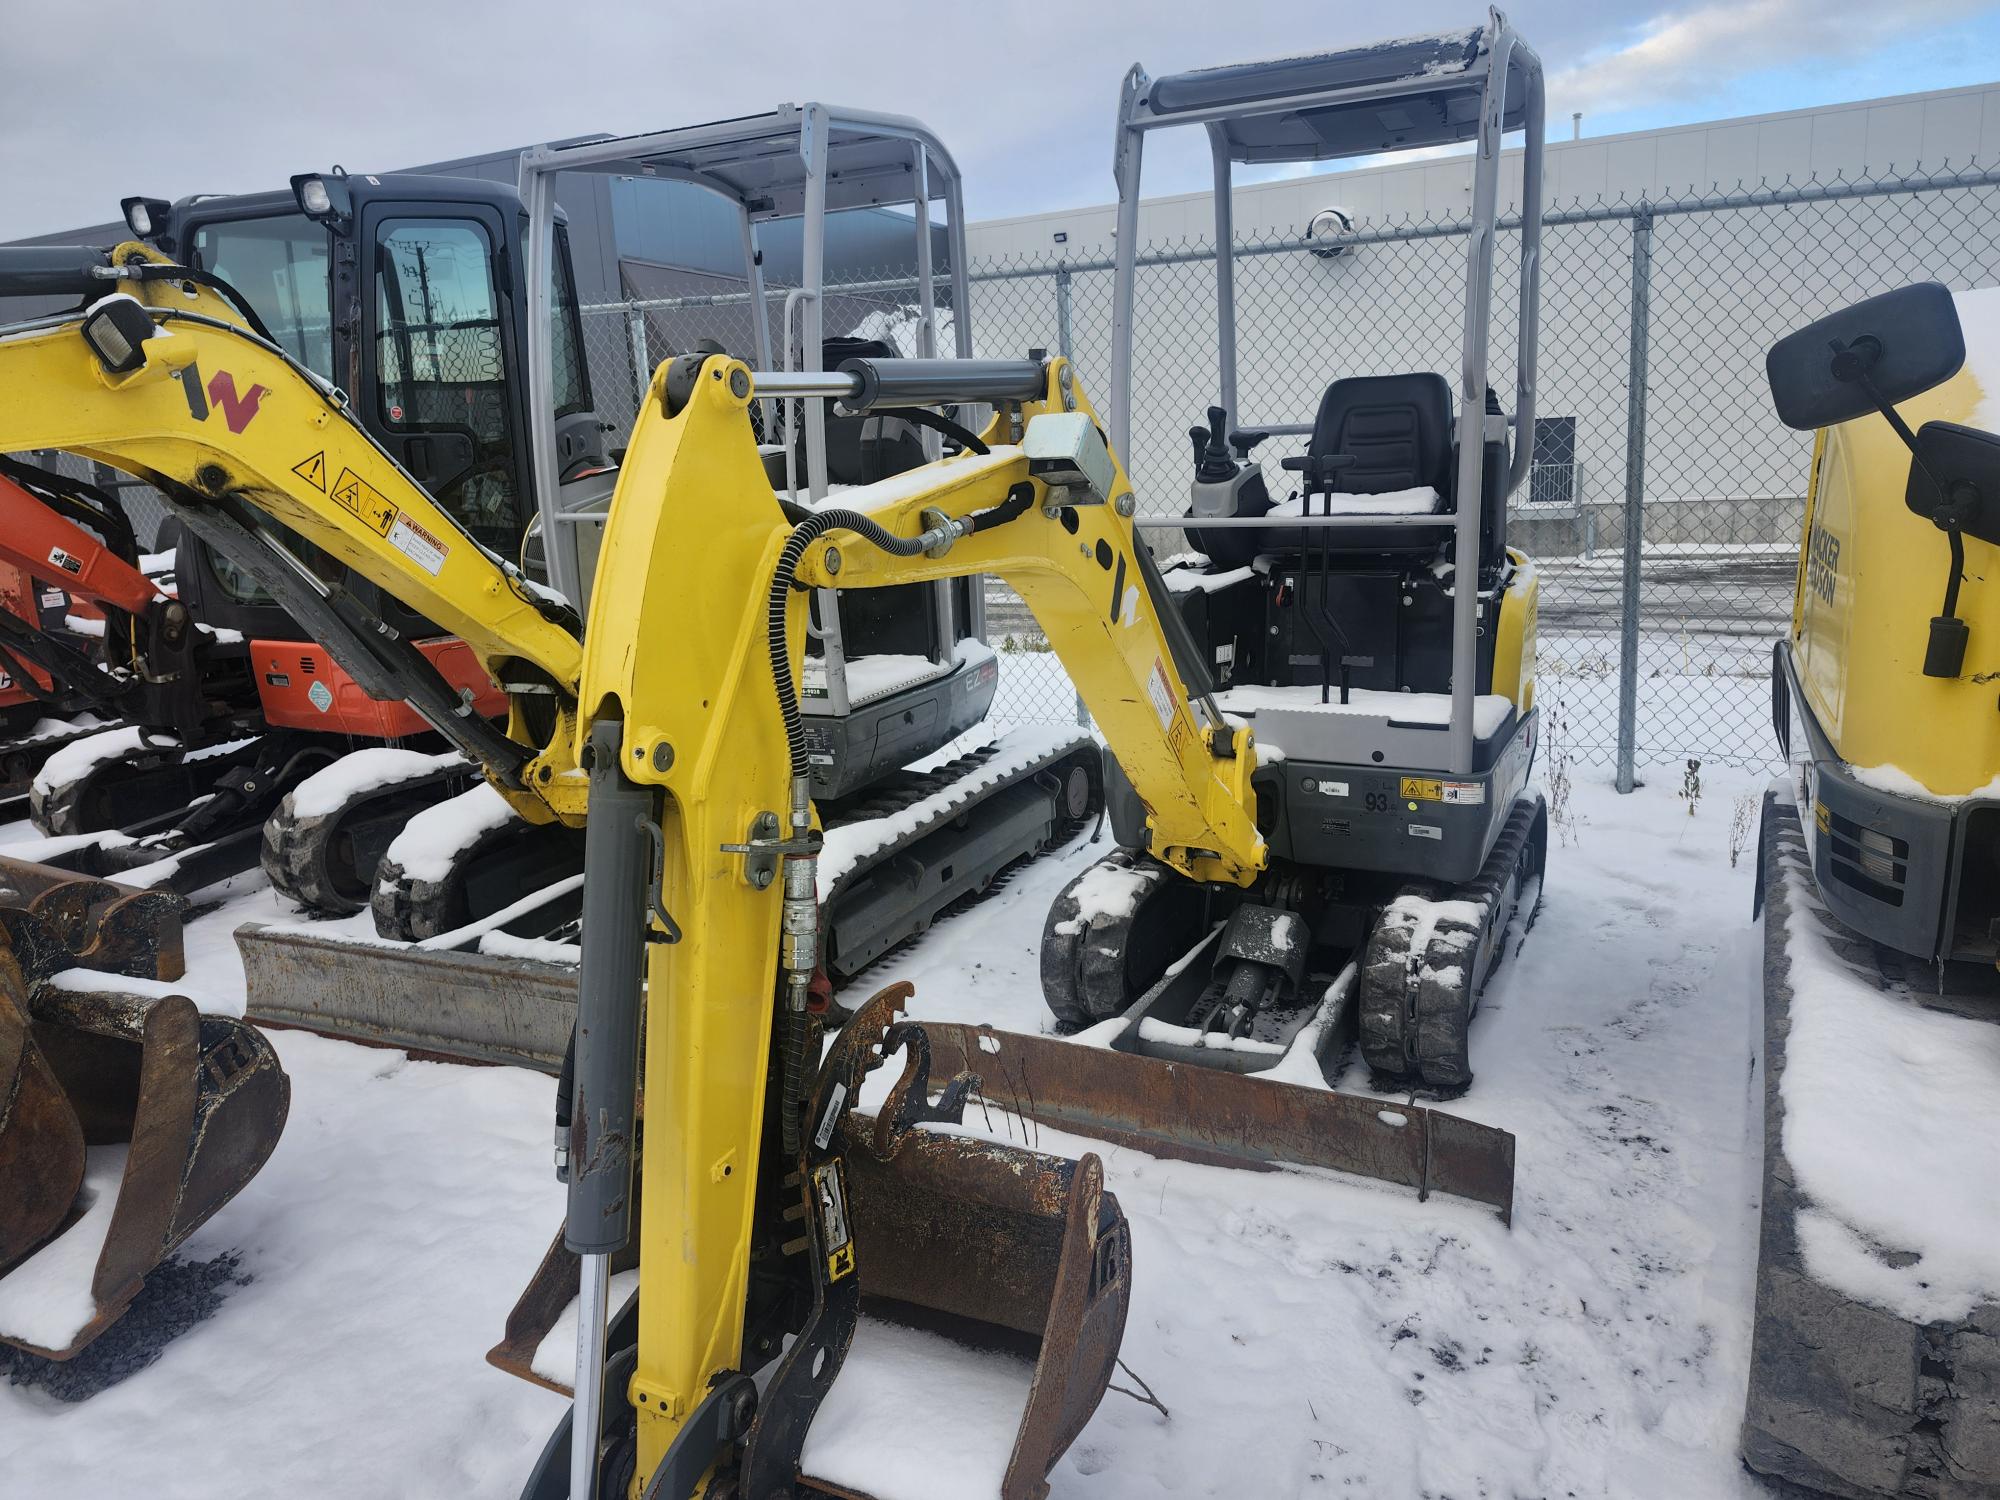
pixel 1187 579
pixel 1419 501
pixel 51 729
pixel 42 850
pixel 1897 782
pixel 847 846
pixel 84 625
pixel 1107 893
pixel 1300 1065
pixel 1890 1118
pixel 1489 710
pixel 873 677
pixel 436 836
pixel 897 488
pixel 79 758
pixel 536 950
pixel 1154 1031
pixel 89 981
pixel 46 1299
pixel 220 748
pixel 914 1415
pixel 555 1356
pixel 154 564
pixel 488 927
pixel 366 770
pixel 222 635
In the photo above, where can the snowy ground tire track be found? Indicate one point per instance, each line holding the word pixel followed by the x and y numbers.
pixel 1848 1398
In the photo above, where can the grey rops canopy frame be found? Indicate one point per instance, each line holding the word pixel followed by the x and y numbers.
pixel 797 161
pixel 1475 85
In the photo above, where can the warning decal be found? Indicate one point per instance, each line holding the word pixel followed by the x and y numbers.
pixel 365 501
pixel 418 545
pixel 836 1238
pixel 63 560
pixel 313 471
pixel 1160 689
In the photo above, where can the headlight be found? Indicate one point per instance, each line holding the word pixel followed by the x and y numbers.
pixel 117 330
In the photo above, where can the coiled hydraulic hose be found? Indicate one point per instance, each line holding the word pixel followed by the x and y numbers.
pixel 800 943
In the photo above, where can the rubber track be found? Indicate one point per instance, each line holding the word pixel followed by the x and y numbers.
pixel 1087 961
pixel 305 860
pixel 910 788
pixel 1416 1007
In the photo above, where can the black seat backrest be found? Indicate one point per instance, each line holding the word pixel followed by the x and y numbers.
pixel 1397 427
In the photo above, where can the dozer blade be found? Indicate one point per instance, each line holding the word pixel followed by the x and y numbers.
pixel 176 1110
pixel 1009 1269
pixel 458 1005
pixel 1230 1119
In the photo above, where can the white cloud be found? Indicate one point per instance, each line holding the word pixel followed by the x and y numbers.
pixel 1691 51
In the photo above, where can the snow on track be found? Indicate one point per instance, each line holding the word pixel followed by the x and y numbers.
pixel 1309 1335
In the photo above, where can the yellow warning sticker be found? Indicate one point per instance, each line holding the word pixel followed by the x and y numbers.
pixel 313 471
pixel 841 1262
pixel 1422 789
pixel 365 501
pixel 1820 818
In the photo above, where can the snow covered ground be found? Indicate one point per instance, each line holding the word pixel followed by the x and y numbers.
pixel 1308 1336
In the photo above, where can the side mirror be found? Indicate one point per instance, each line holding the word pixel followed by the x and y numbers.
pixel 1875 353
pixel 1955 479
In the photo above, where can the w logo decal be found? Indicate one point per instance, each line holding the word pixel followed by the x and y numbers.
pixel 237 410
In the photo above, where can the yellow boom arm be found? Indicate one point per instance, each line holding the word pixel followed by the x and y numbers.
pixel 677 649
pixel 225 424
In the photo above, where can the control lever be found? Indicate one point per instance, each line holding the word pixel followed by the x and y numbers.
pixel 1213 464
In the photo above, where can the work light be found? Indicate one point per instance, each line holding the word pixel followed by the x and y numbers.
pixel 145 217
pixel 116 331
pixel 323 198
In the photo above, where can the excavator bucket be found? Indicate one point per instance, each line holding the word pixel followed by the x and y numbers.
pixel 1003 1266
pixel 127 1116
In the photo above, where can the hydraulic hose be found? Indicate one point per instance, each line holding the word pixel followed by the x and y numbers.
pixel 800 944
pixel 808 531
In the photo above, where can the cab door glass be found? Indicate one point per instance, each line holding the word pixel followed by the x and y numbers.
pixel 441 386
pixel 280 266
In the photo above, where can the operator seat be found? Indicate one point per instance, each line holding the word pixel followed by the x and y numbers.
pixel 1398 431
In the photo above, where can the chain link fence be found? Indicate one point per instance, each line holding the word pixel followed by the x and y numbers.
pixel 1664 503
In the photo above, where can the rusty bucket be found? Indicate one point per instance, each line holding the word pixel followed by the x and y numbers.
pixel 975 1258
pixel 127 1117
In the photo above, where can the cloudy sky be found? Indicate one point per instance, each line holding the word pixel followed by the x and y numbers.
pixel 236 97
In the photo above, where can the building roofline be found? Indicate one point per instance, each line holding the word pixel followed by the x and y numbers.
pixel 1553 147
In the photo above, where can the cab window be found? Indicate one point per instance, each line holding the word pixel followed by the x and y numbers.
pixel 572 384
pixel 280 265
pixel 441 364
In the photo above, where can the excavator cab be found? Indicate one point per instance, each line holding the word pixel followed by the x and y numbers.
pixel 408 294
pixel 1328 609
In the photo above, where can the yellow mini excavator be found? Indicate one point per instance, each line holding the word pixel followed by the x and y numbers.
pixel 1883 689
pixel 769 1221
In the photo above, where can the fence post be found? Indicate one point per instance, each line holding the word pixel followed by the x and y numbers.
pixel 1063 344
pixel 1066 348
pixel 1635 496
pixel 642 364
